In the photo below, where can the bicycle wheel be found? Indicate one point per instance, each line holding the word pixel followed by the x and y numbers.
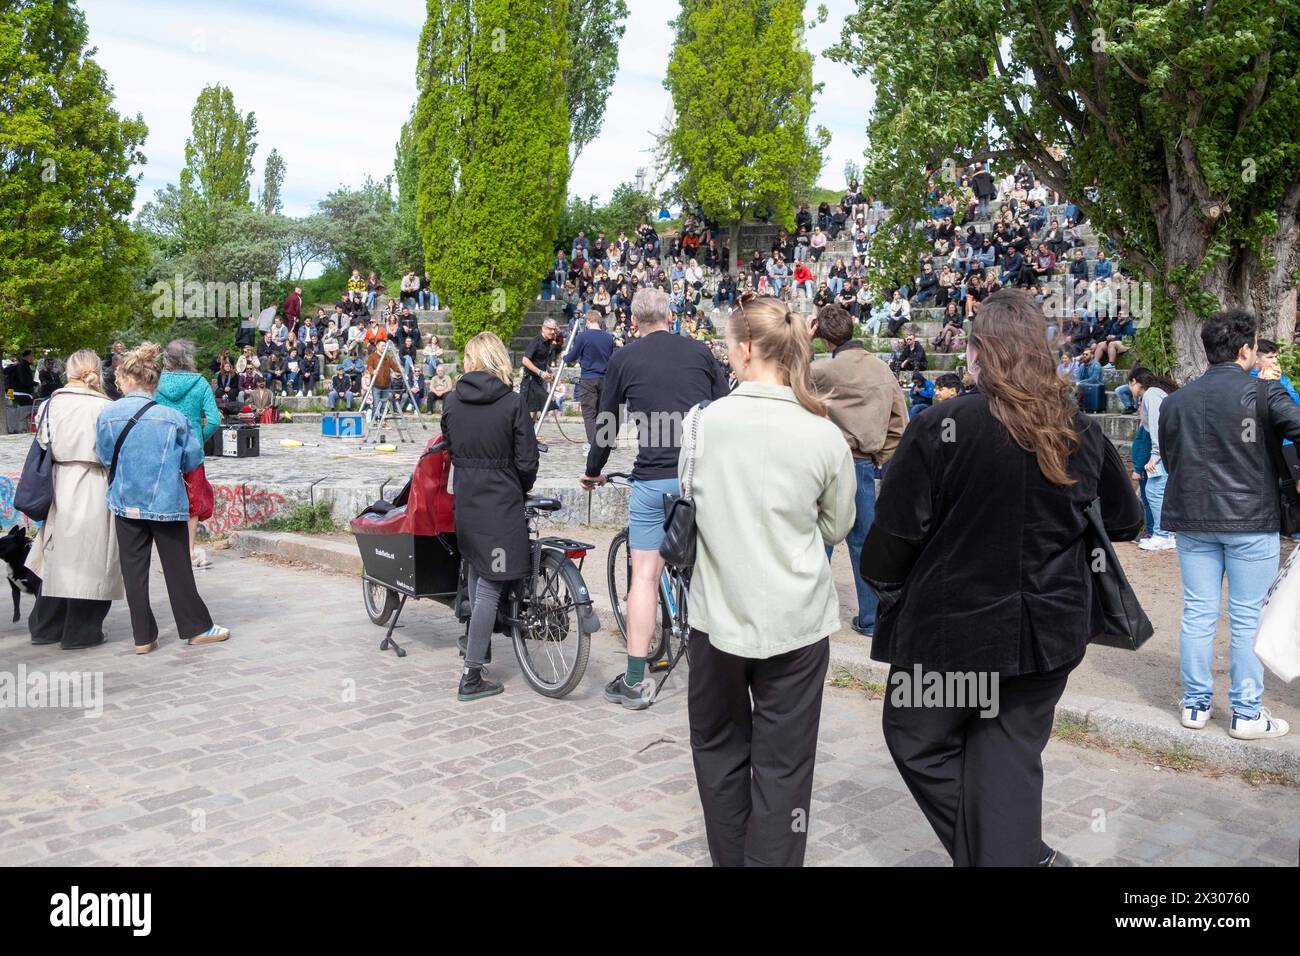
pixel 380 601
pixel 550 645
pixel 619 565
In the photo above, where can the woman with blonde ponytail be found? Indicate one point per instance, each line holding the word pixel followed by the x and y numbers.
pixel 75 551
pixel 978 555
pixel 773 484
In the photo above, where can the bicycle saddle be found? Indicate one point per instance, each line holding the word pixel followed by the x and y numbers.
pixel 543 504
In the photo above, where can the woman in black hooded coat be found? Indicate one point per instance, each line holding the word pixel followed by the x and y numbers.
pixel 495 456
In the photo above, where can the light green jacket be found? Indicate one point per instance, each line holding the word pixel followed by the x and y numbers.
pixel 773 485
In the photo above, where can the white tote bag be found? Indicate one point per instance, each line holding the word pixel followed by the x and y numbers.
pixel 1277 642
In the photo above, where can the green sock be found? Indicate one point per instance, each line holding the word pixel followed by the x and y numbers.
pixel 635 671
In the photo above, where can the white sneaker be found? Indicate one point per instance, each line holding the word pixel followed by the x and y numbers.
pixel 1159 542
pixel 200 559
pixel 1195 718
pixel 1262 727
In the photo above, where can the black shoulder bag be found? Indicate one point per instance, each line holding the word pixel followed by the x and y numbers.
pixel 1287 494
pixel 35 492
pixel 121 437
pixel 1126 624
pixel 678 548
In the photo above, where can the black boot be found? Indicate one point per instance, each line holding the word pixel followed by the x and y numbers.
pixel 474 687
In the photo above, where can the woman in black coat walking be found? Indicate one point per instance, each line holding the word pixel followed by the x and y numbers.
pixel 981 650
pixel 494 451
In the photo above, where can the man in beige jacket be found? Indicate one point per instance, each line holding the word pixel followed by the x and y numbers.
pixel 864 400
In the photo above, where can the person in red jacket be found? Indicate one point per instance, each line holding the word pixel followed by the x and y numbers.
pixel 293 309
pixel 803 278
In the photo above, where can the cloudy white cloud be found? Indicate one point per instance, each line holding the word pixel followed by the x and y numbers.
pixel 331 83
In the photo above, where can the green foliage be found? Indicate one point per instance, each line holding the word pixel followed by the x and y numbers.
pixel 406 170
pixel 492 132
pixel 627 208
pixel 66 187
pixel 595 28
pixel 304 518
pixel 742 88
pixel 219 152
pixel 364 227
pixel 269 200
pixel 1288 356
pixel 1187 115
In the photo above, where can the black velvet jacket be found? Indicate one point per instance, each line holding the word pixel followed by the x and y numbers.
pixel 979 560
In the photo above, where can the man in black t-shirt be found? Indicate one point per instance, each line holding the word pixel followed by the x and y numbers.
pixel 541 353
pixel 658 378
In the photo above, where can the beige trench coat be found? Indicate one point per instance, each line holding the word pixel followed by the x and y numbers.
pixel 75 552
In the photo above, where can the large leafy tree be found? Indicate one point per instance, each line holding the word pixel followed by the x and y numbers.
pixel 66 187
pixel 1185 115
pixel 595 28
pixel 492 132
pixel 742 88
pixel 219 151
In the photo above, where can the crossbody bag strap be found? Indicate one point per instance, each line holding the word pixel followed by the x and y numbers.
pixel 688 479
pixel 121 437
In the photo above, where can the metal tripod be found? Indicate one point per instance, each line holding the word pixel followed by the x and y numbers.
pixel 392 403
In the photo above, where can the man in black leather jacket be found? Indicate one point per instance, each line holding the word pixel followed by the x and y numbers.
pixel 1222 499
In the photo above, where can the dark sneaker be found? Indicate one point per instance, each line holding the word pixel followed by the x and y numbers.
pixel 864 631
pixel 474 686
pixel 638 697
pixel 1055 858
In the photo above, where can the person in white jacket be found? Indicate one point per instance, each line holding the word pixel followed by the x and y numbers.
pixel 773 483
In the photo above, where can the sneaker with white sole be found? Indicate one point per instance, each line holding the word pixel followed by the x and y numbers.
pixel 1262 726
pixel 200 559
pixel 1159 542
pixel 1195 718
pixel 637 697
pixel 211 636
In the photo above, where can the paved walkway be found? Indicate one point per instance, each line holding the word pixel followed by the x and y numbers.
pixel 300 742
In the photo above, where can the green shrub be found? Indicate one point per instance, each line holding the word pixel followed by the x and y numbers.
pixel 305 518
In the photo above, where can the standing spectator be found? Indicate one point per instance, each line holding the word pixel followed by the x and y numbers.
pixel 591 349
pixel 49 377
pixel 1151 390
pixel 865 402
pixel 485 424
pixel 20 378
pixel 181 387
pixel 410 289
pixel 763 600
pixel 293 308
pixel 147 494
pixel 75 551
pixel 657 377
pixel 1222 499
pixel 977 773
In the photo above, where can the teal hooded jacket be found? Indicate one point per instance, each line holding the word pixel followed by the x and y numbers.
pixel 191 395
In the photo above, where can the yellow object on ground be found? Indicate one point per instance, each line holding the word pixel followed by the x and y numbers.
pixel 386 448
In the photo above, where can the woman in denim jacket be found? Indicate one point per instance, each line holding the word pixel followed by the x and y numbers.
pixel 147 495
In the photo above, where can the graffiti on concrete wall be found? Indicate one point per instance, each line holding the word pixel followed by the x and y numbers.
pixel 241 506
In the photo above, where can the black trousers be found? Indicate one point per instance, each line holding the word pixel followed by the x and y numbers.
pixel 979 780
pixel 589 402
pixel 70 622
pixel 754 760
pixel 135 541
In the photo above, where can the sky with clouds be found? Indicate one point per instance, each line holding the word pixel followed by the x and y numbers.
pixel 332 81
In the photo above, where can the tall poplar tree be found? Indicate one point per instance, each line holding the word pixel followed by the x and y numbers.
pixel 492 134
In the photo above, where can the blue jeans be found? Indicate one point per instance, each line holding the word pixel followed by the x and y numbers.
pixel 1156 496
pixel 1125 395
pixel 1149 520
pixel 371 299
pixel 1250 560
pixel 335 396
pixel 865 502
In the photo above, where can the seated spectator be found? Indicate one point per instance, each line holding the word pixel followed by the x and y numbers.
pixel 438 388
pixel 899 313
pixel 274 376
pixel 1110 339
pixel 293 373
pixel 340 389
pixel 947 386
pixel 1103 268
pixel 908 356
pixel 1079 266
pixel 1091 385
pixel 950 337
pixel 803 279
pixel 225 388
pixel 922 394
pixel 311 372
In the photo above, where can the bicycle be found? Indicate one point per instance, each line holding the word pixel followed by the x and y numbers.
pixel 668 643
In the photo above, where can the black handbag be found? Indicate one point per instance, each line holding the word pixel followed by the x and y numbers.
pixel 1287 493
pixel 35 492
pixel 1126 625
pixel 678 547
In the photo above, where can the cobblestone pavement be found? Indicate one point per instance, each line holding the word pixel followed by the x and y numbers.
pixel 299 742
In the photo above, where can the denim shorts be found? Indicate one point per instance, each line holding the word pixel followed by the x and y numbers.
pixel 645 513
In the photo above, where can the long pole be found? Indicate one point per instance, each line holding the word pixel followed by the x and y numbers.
pixel 555 380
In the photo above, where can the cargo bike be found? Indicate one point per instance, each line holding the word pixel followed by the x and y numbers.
pixel 408 550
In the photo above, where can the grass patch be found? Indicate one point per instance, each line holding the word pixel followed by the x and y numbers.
pixel 1072 731
pixel 843 678
pixel 305 518
pixel 1176 758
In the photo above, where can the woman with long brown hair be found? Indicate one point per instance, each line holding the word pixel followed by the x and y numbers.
pixel 986 597
pixel 773 483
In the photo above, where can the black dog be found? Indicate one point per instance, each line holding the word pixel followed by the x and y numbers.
pixel 14 548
